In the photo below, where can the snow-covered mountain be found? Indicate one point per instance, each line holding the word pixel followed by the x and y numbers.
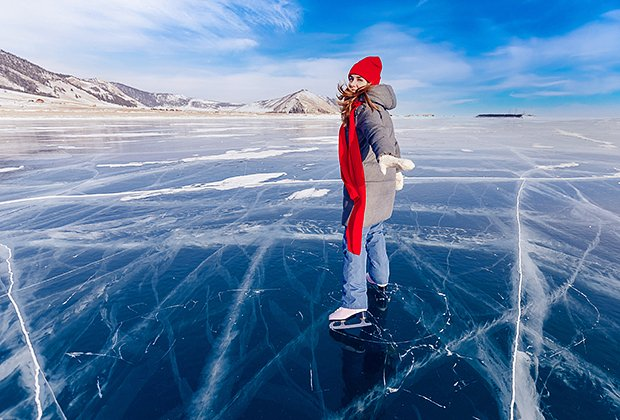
pixel 170 100
pixel 20 75
pixel 300 102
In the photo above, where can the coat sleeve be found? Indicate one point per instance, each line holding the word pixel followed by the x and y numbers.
pixel 372 127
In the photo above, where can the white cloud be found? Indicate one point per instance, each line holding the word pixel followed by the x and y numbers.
pixel 578 86
pixel 580 62
pixel 406 84
pixel 406 57
pixel 74 29
pixel 155 44
pixel 265 79
pixel 461 101
pixel 596 42
pixel 427 77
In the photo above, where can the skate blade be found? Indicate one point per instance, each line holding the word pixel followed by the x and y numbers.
pixel 342 325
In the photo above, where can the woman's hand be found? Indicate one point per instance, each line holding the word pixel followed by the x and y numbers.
pixel 400 181
pixel 389 161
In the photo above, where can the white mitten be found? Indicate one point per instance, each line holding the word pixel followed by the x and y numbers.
pixel 400 181
pixel 389 161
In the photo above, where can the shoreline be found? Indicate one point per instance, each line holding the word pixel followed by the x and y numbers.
pixel 95 113
pixel 86 113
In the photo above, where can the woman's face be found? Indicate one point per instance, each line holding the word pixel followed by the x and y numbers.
pixel 356 81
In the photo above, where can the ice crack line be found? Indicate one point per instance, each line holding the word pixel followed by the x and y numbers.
pixel 519 297
pixel 217 367
pixel 33 356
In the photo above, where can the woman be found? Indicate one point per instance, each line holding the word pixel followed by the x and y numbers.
pixel 370 167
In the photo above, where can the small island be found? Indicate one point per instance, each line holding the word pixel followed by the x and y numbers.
pixel 499 116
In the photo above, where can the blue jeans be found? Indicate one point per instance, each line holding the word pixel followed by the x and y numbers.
pixel 372 260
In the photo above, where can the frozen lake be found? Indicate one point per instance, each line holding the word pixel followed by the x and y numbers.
pixel 185 268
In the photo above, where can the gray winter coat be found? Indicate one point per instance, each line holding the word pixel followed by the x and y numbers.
pixel 375 133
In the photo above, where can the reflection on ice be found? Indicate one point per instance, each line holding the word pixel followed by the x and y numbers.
pixel 178 268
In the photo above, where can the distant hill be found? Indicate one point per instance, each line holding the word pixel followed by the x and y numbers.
pixel 300 102
pixel 170 100
pixel 20 75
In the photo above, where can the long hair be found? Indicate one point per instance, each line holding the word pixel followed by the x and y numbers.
pixel 347 97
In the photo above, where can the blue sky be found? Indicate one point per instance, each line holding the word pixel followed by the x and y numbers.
pixel 444 57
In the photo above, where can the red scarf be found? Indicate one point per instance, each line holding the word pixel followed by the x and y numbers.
pixel 352 174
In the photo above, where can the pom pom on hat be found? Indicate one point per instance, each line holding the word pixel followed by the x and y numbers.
pixel 369 68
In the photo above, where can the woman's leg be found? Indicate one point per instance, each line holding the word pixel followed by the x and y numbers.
pixel 354 276
pixel 378 263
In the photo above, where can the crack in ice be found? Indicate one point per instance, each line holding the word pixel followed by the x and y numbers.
pixel 217 365
pixel 38 371
pixel 429 400
pixel 519 297
pixel 22 323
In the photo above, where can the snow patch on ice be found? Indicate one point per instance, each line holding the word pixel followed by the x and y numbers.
pixel 121 135
pixel 243 181
pixel 559 166
pixel 78 147
pixel 5 170
pixel 250 153
pixel 219 135
pixel 308 193
pixel 135 164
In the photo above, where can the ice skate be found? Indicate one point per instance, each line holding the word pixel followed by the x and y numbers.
pixel 345 318
pixel 374 283
pixel 380 293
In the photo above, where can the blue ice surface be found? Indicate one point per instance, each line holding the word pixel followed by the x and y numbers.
pixel 149 288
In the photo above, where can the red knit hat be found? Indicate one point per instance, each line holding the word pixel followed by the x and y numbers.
pixel 369 68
